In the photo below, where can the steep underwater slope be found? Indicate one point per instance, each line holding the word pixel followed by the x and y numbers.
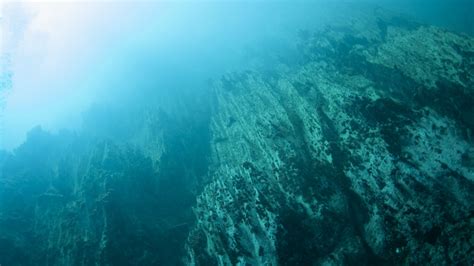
pixel 360 155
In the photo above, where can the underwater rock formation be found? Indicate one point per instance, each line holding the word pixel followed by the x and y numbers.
pixel 359 153
pixel 354 156
pixel 67 199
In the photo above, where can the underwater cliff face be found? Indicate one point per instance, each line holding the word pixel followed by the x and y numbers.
pixel 353 156
pixel 356 151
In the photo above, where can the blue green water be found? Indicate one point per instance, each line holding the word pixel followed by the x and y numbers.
pixel 237 133
pixel 101 50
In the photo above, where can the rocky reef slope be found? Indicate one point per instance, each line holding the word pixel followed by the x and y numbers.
pixel 358 152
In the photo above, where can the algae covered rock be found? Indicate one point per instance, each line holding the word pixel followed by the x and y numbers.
pixel 356 150
pixel 359 155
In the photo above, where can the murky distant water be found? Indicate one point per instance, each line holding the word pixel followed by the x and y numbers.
pixel 455 15
pixel 236 133
pixel 201 39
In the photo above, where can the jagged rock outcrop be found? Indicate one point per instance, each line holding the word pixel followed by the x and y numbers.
pixel 357 155
pixel 91 199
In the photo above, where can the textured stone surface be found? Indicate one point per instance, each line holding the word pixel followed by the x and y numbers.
pixel 354 156
pixel 359 153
